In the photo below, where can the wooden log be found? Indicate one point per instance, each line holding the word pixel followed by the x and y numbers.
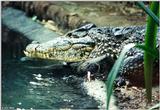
pixel 17 21
pixel 49 11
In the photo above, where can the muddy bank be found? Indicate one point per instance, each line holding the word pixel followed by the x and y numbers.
pixel 135 97
pixel 106 13
pixel 71 15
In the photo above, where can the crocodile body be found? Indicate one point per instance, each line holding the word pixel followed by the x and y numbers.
pixel 90 42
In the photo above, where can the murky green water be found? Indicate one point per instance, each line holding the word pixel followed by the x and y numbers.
pixel 38 89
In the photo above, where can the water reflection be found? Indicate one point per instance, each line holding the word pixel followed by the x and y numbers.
pixel 38 89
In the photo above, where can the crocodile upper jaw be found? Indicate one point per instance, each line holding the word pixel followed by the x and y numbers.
pixel 62 48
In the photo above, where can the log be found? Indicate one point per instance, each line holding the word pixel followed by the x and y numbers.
pixel 17 21
pixel 49 11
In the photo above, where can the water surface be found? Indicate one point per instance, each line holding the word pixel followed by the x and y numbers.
pixel 38 89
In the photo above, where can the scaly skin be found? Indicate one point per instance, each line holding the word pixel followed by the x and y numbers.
pixel 86 42
pixel 89 42
pixel 62 48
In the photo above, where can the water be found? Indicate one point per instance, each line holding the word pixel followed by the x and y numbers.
pixel 31 88
pixel 38 89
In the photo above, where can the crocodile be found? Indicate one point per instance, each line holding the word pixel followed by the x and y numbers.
pixel 96 49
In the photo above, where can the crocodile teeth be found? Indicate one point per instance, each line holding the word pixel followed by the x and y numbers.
pixel 26 53
pixel 47 55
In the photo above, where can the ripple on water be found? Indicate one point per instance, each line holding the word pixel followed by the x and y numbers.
pixel 36 89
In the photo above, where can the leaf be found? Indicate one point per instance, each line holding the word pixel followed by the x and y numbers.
pixel 153 52
pixel 149 12
pixel 114 71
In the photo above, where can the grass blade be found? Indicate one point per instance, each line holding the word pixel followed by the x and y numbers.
pixel 114 71
pixel 149 12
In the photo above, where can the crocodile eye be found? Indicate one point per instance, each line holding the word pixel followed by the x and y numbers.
pixel 117 29
pixel 117 32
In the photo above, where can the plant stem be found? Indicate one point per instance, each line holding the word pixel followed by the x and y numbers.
pixel 150 42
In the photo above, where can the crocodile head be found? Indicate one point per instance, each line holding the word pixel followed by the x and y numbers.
pixel 62 48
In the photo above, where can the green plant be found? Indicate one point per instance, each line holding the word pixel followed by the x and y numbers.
pixel 149 12
pixel 150 42
pixel 114 71
pixel 150 53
